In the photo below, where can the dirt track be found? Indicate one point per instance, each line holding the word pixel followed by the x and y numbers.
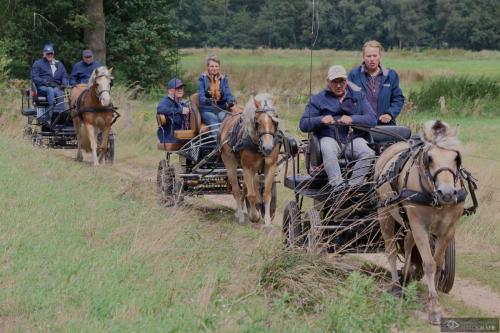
pixel 472 293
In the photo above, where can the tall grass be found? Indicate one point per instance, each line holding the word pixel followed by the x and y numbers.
pixel 460 92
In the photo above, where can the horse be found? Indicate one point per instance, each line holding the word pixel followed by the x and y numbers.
pixel 422 186
pixel 91 109
pixel 251 139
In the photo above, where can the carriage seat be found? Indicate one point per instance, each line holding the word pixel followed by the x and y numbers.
pixel 314 158
pixel 382 135
pixel 38 100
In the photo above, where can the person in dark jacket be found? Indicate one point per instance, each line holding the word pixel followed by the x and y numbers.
pixel 50 79
pixel 82 70
pixel 341 103
pixel 175 108
pixel 214 93
pixel 380 84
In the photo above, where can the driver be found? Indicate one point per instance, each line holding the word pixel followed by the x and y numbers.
pixel 341 103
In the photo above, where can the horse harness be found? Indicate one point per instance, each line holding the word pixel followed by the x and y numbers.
pixel 239 141
pixel 81 110
pixel 418 152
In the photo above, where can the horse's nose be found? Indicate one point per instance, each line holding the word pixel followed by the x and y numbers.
pixel 447 196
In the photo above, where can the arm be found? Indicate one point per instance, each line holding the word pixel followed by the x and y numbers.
pixel 397 98
pixel 311 119
pixel 367 116
pixel 201 92
pixel 35 75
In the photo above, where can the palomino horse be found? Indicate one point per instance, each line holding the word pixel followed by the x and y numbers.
pixel 252 140
pixel 92 111
pixel 422 186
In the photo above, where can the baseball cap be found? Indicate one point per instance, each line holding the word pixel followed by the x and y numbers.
pixel 175 83
pixel 336 72
pixel 87 53
pixel 48 48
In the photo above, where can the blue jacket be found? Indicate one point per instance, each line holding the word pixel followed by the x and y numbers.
pixel 82 71
pixel 173 110
pixel 390 98
pixel 41 73
pixel 204 91
pixel 326 103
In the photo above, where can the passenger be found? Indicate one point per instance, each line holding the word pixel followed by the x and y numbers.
pixel 50 79
pixel 214 94
pixel 381 85
pixel 342 103
pixel 175 108
pixel 82 70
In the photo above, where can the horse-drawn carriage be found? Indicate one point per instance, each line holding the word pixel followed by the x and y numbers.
pixel 53 127
pixel 345 220
pixel 200 169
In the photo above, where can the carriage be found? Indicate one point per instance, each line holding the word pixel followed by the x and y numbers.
pixel 199 169
pixel 52 130
pixel 343 221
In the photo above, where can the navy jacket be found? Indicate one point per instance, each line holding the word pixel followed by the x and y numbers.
pixel 173 110
pixel 326 103
pixel 41 73
pixel 390 98
pixel 82 71
pixel 204 91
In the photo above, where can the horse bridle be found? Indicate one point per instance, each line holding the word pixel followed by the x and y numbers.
pixel 98 94
pixel 265 110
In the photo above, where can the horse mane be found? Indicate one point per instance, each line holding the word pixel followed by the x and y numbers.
pixel 440 134
pixel 250 108
pixel 103 70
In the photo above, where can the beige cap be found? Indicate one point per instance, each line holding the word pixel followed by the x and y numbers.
pixel 336 72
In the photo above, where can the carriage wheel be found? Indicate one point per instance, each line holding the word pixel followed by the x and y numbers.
pixel 110 154
pixel 447 276
pixel 167 186
pixel 262 206
pixel 314 236
pixel 292 226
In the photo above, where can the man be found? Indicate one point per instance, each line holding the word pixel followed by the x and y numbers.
pixel 174 107
pixel 341 103
pixel 82 70
pixel 381 85
pixel 50 79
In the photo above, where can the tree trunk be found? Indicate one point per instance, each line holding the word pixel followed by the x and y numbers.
pixel 95 36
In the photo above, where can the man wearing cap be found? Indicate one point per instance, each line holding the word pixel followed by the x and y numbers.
pixel 175 108
pixel 50 79
pixel 341 103
pixel 380 84
pixel 82 70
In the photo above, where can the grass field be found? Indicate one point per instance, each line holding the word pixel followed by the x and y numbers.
pixel 90 250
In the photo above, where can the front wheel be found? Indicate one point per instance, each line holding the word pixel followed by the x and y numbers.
pixel 447 276
pixel 168 187
pixel 292 226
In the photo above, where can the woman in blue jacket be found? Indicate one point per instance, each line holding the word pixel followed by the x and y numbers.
pixel 214 93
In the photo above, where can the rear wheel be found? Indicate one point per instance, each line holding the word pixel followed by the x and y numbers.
pixel 292 226
pixel 167 186
pixel 314 235
pixel 110 154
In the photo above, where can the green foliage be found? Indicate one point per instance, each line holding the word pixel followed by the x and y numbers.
pixel 459 92
pixel 4 65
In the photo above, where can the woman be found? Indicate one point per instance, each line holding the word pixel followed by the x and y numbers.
pixel 214 93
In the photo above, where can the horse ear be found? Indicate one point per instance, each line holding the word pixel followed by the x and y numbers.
pixel 275 119
pixel 96 71
pixel 454 131
pixel 257 103
pixel 110 70
pixel 274 100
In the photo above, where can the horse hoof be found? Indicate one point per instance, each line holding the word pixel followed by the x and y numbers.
pixel 434 318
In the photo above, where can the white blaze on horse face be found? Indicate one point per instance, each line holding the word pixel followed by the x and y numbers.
pixel 266 125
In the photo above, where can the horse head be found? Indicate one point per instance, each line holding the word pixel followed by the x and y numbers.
pixel 101 81
pixel 261 121
pixel 441 160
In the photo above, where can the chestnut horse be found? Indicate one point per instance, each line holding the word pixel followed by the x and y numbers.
pixel 422 186
pixel 251 139
pixel 92 111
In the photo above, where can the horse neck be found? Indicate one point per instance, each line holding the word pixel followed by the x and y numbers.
pixel 90 98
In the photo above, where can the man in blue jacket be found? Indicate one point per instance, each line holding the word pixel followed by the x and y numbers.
pixel 341 103
pixel 50 78
pixel 175 108
pixel 82 70
pixel 381 85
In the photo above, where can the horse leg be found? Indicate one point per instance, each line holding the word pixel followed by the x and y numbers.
pixel 249 177
pixel 78 128
pixel 409 243
pixel 387 227
pixel 421 237
pixel 93 142
pixel 232 175
pixel 268 185
pixel 104 145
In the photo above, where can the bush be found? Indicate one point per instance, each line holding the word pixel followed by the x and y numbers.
pixel 4 66
pixel 458 91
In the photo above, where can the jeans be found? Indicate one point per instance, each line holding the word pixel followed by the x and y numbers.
pixel 212 116
pixel 55 97
pixel 357 151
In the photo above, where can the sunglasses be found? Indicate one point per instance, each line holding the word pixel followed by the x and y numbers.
pixel 88 57
pixel 49 53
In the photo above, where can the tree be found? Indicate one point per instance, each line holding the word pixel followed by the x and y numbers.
pixel 95 34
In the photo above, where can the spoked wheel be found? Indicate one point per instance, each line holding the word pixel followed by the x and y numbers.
pixel 167 186
pixel 314 235
pixel 447 276
pixel 110 153
pixel 292 226
pixel 262 206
